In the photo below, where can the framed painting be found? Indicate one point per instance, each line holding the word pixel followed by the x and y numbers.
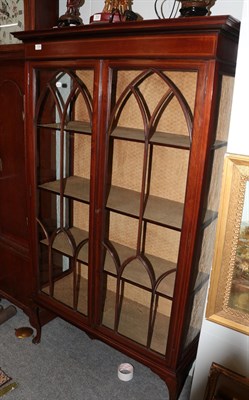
pixel 224 384
pixel 228 300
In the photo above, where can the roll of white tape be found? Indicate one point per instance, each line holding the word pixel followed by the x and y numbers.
pixel 125 372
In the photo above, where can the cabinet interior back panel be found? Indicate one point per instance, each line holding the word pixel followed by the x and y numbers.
pixel 153 89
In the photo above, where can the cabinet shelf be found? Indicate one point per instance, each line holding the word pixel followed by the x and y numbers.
pixel 159 138
pixel 75 187
pixel 138 275
pixel 132 134
pixel 160 211
pixel 134 275
pixel 72 126
pixel 62 245
pixel 63 292
pixel 136 328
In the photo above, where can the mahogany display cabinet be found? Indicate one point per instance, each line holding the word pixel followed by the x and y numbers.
pixel 127 128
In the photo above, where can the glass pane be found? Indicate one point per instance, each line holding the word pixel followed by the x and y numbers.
pixel 207 232
pixel 149 133
pixel 64 126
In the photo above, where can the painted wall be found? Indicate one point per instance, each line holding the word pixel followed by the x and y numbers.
pixel 217 343
pixel 146 8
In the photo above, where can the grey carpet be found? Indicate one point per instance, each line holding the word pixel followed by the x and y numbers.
pixel 67 364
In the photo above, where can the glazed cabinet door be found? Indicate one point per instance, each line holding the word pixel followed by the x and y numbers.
pixel 149 138
pixel 156 208
pixel 63 141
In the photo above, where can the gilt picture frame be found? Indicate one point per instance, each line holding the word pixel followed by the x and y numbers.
pixel 228 299
pixel 225 384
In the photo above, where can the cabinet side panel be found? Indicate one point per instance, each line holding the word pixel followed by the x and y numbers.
pixel 205 259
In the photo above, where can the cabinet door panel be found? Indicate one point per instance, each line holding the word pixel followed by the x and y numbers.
pixel 16 280
pixel 13 207
pixel 63 143
pixel 149 135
